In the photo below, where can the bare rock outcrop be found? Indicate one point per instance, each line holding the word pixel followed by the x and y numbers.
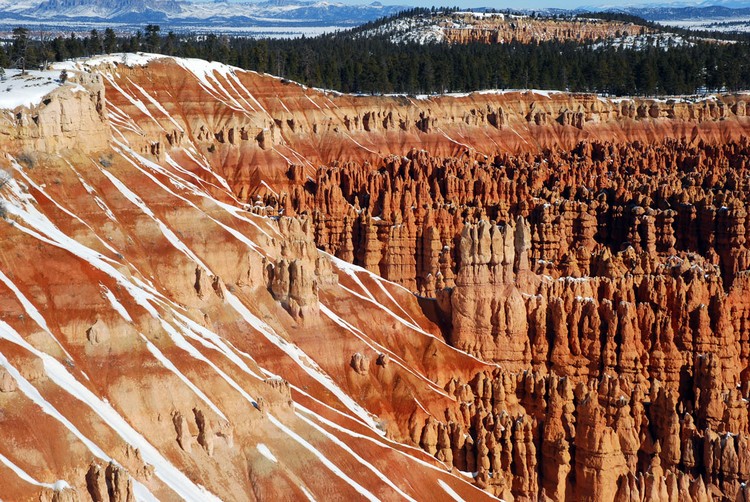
pixel 75 110
pixel 295 277
pixel 610 284
pixel 110 483
pixel 587 257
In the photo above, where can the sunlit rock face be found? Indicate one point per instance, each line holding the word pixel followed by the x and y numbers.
pixel 208 280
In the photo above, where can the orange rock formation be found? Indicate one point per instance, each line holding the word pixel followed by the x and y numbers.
pixel 465 28
pixel 170 327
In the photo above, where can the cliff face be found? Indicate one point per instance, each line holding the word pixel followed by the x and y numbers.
pixel 64 116
pixel 403 217
pixel 632 378
pixel 160 341
pixel 613 274
pixel 253 127
pixel 498 29
pixel 216 299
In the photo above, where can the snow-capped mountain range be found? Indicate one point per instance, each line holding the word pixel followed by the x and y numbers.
pixel 677 10
pixel 189 15
pixel 291 17
pixel 711 15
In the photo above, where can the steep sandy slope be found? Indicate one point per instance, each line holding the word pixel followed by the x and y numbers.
pixel 159 341
pixel 170 329
pixel 252 127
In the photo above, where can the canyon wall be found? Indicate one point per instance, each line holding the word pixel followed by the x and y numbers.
pixel 159 341
pixel 465 28
pixel 61 120
pixel 522 295
pixel 610 281
pixel 252 127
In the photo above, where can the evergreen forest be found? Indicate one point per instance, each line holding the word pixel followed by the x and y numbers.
pixel 350 62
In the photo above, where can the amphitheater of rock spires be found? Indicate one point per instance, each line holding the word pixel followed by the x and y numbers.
pixel 466 27
pixel 216 284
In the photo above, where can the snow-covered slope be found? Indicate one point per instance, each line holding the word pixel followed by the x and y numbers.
pixel 169 330
pixel 28 89
pixel 712 15
pixel 193 15
pixel 143 351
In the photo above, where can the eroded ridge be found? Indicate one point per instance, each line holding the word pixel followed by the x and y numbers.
pixel 609 282
pixel 207 291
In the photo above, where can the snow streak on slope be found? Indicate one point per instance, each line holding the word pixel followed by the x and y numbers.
pixel 149 345
pixel 266 452
pixel 33 394
pixel 57 485
pixel 303 360
pixel 452 494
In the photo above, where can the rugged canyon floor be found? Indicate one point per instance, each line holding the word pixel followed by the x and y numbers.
pixel 208 278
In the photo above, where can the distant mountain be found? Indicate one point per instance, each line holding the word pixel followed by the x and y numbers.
pixel 678 10
pixel 672 13
pixel 188 15
pixel 716 16
pixel 677 4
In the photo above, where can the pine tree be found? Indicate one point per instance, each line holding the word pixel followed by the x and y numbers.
pixel 110 41
pixel 20 47
pixel 153 40
pixel 94 44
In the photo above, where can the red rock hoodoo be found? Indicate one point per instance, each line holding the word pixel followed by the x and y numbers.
pixel 222 284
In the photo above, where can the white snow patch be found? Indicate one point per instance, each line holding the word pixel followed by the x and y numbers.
pixel 377 348
pixel 27 90
pixel 58 374
pixel 449 491
pixel 171 367
pixel 34 395
pixel 57 485
pixel 380 442
pixel 29 307
pixel 120 58
pixel 165 230
pixel 266 452
pixel 116 304
pixel 358 458
pixel 326 462
pixel 306 363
